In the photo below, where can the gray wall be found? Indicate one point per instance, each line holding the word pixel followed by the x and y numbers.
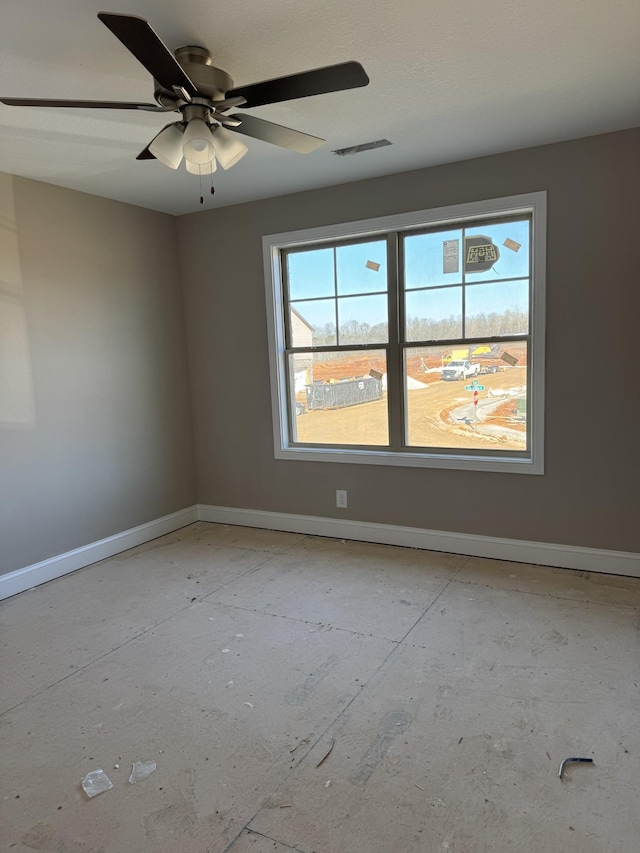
pixel 589 493
pixel 95 427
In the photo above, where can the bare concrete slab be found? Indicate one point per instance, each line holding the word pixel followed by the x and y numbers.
pixel 439 761
pixel 563 583
pixel 250 538
pixel 410 561
pixel 356 586
pixel 307 694
pixel 51 631
pixel 251 842
pixel 553 647
pixel 225 701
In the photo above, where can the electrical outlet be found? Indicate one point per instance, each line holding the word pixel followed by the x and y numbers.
pixel 341 498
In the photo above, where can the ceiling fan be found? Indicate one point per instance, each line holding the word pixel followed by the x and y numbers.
pixel 189 84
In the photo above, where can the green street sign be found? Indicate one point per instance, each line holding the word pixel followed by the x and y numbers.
pixel 474 387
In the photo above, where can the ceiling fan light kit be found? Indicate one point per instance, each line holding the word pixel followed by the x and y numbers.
pixel 188 83
pixel 201 168
pixel 228 149
pixel 167 146
pixel 197 145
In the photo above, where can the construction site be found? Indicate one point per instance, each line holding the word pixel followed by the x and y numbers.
pixel 343 400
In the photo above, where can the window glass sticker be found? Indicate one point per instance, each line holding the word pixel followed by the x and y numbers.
pixel 450 256
pixel 480 253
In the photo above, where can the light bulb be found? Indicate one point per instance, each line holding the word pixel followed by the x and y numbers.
pixel 201 168
pixel 197 144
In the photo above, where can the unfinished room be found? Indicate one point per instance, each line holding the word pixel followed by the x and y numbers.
pixel 319 427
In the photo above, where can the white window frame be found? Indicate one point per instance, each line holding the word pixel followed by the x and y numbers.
pixel 534 204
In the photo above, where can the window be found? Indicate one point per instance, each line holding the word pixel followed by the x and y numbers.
pixel 412 340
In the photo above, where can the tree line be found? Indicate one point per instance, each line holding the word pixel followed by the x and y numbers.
pixel 509 322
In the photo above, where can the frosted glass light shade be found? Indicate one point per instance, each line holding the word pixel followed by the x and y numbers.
pixel 197 144
pixel 229 149
pixel 167 146
pixel 201 168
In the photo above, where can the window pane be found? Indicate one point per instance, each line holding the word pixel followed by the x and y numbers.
pixel 363 320
pixel 433 259
pixel 501 308
pixel 339 398
pixel 362 268
pixel 432 315
pixel 310 274
pixel 440 400
pixel 313 323
pixel 511 240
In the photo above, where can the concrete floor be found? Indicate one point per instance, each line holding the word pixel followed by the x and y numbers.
pixel 450 689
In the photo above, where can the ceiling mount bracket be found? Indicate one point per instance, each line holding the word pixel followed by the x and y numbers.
pixel 186 82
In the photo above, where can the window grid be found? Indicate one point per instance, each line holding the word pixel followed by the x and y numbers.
pixel 400 344
pixel 395 349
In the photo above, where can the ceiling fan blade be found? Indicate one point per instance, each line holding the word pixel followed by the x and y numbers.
pixel 276 134
pixel 228 121
pixel 145 154
pixel 228 104
pixel 86 105
pixel 331 78
pixel 145 44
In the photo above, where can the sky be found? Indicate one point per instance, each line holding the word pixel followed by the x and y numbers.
pixel 311 276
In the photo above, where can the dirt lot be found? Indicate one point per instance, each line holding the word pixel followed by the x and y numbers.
pixel 504 415
pixel 361 365
pixel 342 368
pixel 428 429
pixel 367 423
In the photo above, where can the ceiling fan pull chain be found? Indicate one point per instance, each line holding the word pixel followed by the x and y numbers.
pixel 207 95
pixel 213 189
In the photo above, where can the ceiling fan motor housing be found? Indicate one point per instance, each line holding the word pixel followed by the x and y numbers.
pixel 211 82
pixel 188 83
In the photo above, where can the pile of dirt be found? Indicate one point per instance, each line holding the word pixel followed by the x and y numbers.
pixel 416 365
pixel 505 415
pixel 343 368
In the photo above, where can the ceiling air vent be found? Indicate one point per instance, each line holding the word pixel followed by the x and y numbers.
pixel 366 146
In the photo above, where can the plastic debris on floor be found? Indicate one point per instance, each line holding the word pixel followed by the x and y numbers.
pixel 141 769
pixel 96 782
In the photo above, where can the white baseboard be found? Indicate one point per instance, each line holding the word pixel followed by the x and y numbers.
pixel 55 567
pixel 514 550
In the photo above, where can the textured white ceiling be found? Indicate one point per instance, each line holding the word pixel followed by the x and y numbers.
pixel 450 80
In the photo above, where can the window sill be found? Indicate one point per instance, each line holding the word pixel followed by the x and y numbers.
pixel 504 464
